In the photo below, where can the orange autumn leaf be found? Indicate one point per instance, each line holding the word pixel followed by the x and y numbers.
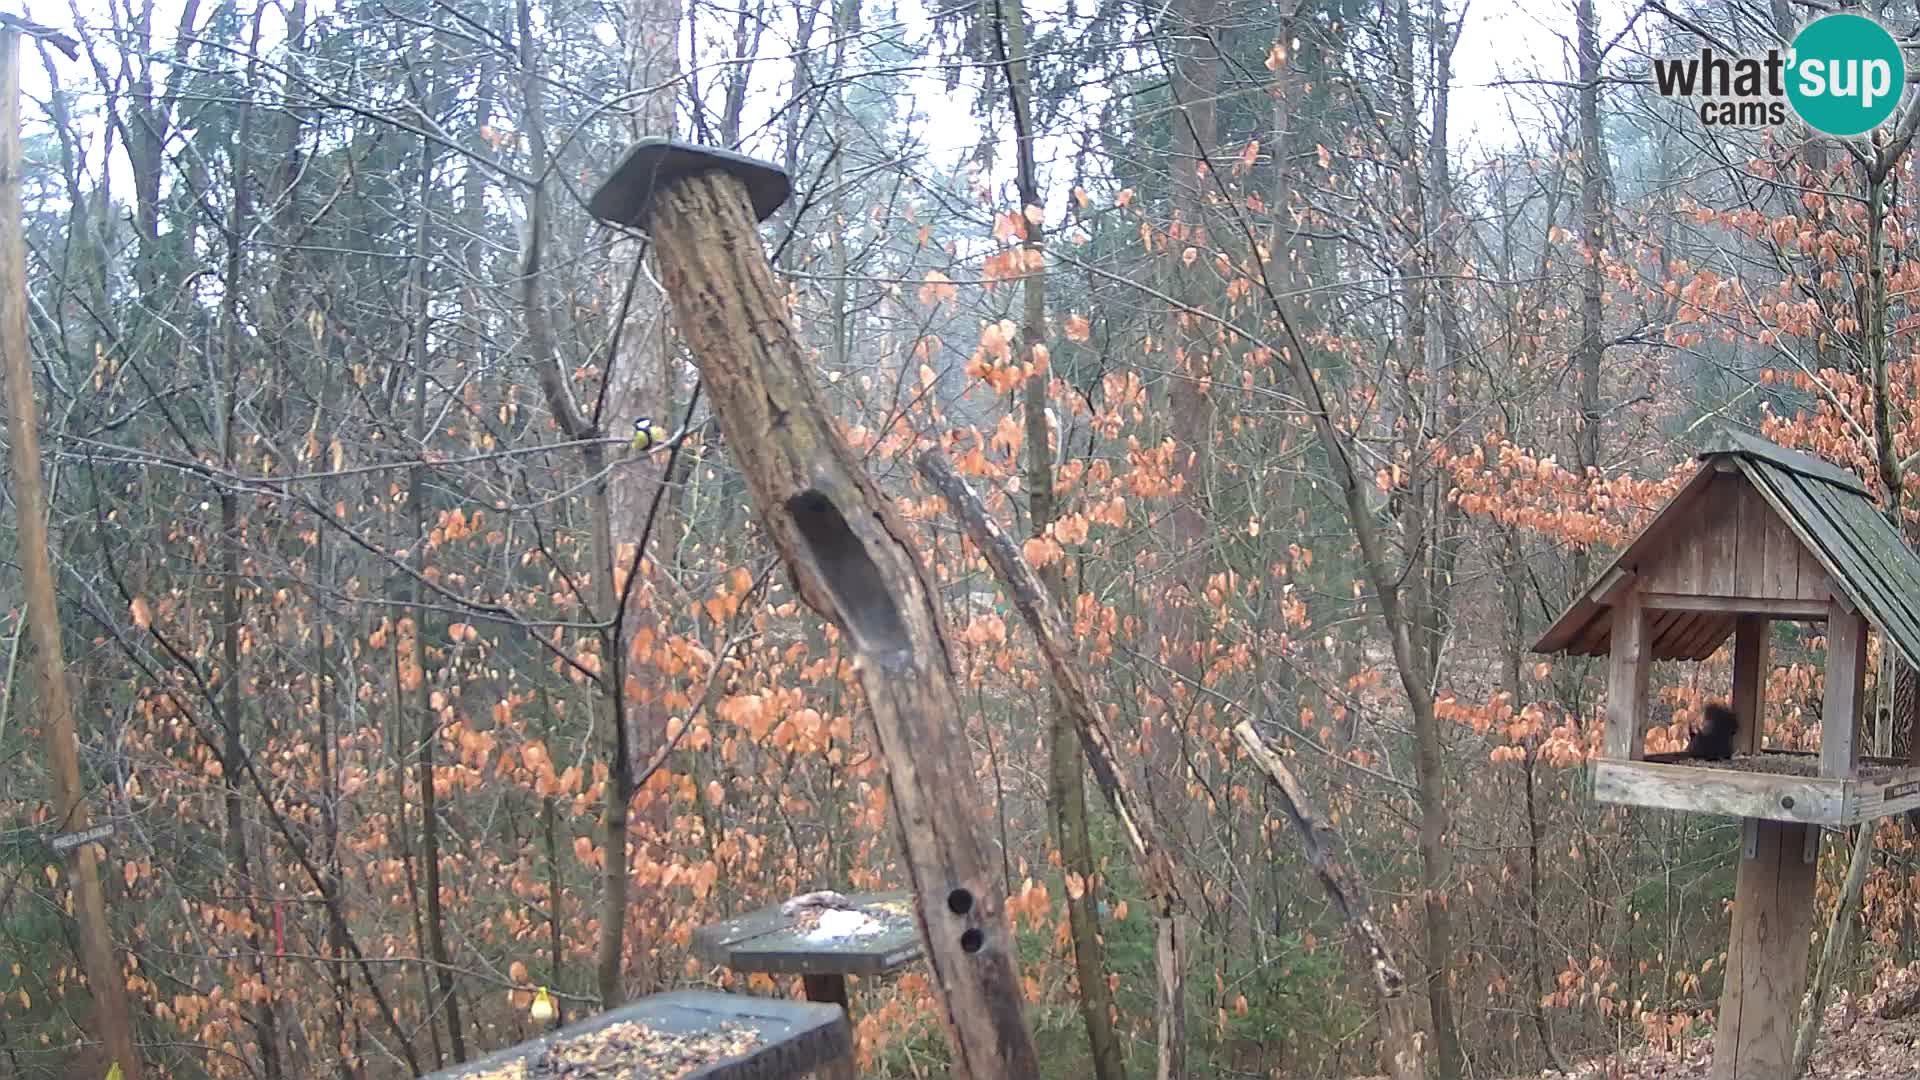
pixel 1040 551
pixel 937 287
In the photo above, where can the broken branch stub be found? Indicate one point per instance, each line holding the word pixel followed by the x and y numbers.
pixel 845 547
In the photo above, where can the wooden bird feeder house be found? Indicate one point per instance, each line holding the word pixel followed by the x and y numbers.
pixel 1758 533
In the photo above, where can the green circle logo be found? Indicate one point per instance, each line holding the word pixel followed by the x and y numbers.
pixel 1845 74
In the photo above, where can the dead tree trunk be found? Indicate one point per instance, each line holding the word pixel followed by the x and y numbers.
pixel 847 551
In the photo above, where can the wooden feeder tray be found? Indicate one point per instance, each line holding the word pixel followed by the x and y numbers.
pixel 768 941
pixel 670 1037
pixel 1776 785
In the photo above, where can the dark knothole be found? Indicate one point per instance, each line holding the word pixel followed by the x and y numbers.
pixel 850 574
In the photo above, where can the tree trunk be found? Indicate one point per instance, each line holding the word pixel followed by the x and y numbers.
pixel 233 752
pixel 609 699
pixel 105 980
pixel 1834 948
pixel 844 545
pixel 1185 532
pixel 1412 616
pixel 1066 788
pixel 418 477
pixel 1514 597
pixel 1591 351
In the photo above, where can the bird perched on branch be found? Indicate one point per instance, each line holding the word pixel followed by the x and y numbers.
pixel 646 434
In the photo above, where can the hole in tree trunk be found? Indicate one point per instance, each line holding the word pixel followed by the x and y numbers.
pixel 972 940
pixel 959 901
pixel 858 589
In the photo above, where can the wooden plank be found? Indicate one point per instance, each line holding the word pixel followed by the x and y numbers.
pixel 1789 505
pixel 1767 955
pixel 1815 582
pixel 1781 608
pixel 1696 789
pixel 1719 541
pixel 1611 584
pixel 832 990
pixel 1784 552
pixel 1889 589
pixel 795 1036
pixel 1708 631
pixel 1750 571
pixel 1845 691
pixel 1661 623
pixel 1685 557
pixel 1627 664
pixel 1722 638
pixel 1660 627
pixel 1841 539
pixel 1679 630
pixel 1593 637
pixel 1895 795
pixel 1750 668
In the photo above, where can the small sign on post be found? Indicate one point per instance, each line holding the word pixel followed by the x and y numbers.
pixel 66 842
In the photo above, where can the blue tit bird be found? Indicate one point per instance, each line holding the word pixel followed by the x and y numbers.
pixel 646 435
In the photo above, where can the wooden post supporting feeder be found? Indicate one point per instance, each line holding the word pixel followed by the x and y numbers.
pixel 1759 533
pixel 847 552
pixel 771 940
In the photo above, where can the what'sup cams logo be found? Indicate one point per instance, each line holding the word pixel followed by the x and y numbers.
pixel 1842 75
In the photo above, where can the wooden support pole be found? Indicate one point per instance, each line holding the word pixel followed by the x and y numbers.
pixel 1845 690
pixel 1767 954
pixel 847 551
pixel 1749 680
pixel 831 989
pixel 1627 665
pixel 97 955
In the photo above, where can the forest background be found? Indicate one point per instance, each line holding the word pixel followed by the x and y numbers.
pixel 1319 349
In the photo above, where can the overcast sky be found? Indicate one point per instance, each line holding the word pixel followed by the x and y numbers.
pixel 1503 39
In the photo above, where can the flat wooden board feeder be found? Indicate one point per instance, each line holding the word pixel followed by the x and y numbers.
pixel 809 944
pixel 1758 533
pixel 788 1039
pixel 769 941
